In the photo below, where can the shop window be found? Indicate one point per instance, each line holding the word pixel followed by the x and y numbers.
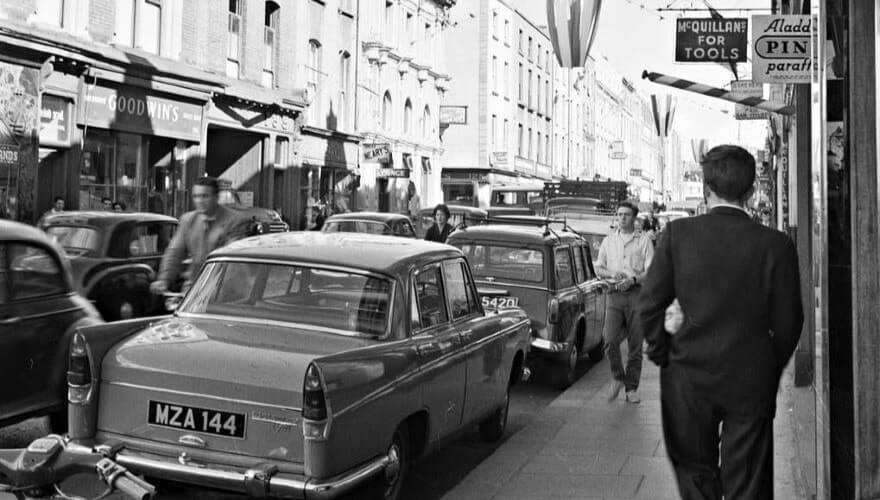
pixel 270 43
pixel 407 117
pixel 234 40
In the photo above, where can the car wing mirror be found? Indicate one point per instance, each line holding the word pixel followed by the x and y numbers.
pixel 172 301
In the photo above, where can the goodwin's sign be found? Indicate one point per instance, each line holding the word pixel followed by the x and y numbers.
pixel 781 49
pixel 711 40
pixel 132 109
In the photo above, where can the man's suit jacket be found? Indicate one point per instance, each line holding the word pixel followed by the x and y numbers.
pixel 739 288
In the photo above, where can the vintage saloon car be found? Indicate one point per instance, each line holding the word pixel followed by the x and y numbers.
pixel 303 365
pixel 39 310
pixel 114 257
pixel 548 272
pixel 370 222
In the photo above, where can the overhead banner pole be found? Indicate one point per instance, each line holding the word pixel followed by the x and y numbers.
pixel 707 90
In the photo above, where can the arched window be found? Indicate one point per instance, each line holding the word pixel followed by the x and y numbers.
pixel 427 124
pixel 407 117
pixel 313 71
pixel 386 111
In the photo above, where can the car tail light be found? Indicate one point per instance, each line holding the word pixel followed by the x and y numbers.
pixel 553 311
pixel 79 370
pixel 315 411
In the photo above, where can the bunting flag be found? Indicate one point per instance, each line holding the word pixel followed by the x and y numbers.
pixel 572 25
pixel 699 88
pixel 663 116
pixel 699 148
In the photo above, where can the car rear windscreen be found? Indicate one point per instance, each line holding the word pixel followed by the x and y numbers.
pixel 505 262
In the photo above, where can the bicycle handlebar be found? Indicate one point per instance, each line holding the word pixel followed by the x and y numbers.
pixel 50 460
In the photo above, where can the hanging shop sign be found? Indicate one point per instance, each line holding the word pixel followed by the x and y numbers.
pixel 453 115
pixel 54 120
pixel 781 49
pixel 392 173
pixel 701 40
pixel 748 88
pixel 133 109
pixel 499 158
pixel 379 153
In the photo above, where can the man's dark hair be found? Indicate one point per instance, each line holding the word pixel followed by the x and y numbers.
pixel 629 205
pixel 211 182
pixel 57 199
pixel 729 171
pixel 442 208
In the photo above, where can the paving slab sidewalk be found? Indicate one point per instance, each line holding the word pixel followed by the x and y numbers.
pixel 582 446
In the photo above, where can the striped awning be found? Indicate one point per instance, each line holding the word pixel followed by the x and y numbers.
pixel 699 88
pixel 572 25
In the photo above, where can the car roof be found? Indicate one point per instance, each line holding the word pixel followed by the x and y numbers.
pixel 519 187
pixel 367 216
pixel 520 233
pixel 377 253
pixel 11 230
pixel 457 208
pixel 100 218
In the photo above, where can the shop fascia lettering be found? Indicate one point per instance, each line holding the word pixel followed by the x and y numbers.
pixel 699 27
pixel 138 106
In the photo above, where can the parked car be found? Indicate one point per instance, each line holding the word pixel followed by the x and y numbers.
pixel 263 220
pixel 114 256
pixel 548 271
pixel 39 310
pixel 302 364
pixel 462 216
pixel 370 222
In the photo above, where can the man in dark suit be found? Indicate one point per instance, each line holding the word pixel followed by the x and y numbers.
pixel 738 287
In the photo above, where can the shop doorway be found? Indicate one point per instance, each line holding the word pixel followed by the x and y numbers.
pixel 382 186
pixel 237 157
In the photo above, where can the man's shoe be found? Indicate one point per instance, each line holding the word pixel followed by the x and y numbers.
pixel 614 391
pixel 633 397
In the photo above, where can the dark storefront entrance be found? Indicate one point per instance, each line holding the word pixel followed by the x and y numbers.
pixel 236 156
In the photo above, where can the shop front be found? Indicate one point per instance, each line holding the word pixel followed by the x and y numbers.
pixel 330 177
pixel 253 147
pixel 138 147
pixel 19 122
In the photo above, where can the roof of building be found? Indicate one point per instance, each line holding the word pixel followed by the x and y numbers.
pixel 369 252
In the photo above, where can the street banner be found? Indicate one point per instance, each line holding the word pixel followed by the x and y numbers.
pixel 712 40
pixel 748 88
pixel 699 88
pixel 781 48
pixel 572 25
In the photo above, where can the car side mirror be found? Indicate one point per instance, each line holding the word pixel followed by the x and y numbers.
pixel 172 301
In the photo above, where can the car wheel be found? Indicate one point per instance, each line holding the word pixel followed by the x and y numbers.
pixel 597 353
pixel 564 370
pixel 492 429
pixel 58 422
pixel 391 482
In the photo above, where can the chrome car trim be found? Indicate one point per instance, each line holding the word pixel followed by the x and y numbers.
pixel 274 484
pixel 282 324
pixel 200 395
pixel 549 345
pixel 52 313
pixel 506 283
pixel 390 386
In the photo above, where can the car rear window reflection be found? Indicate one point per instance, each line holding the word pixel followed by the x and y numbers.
pixel 339 300
pixel 505 262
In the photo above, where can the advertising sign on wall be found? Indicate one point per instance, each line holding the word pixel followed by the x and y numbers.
pixel 711 40
pixel 453 115
pixel 748 88
pixel 54 120
pixel 781 49
pixel 133 109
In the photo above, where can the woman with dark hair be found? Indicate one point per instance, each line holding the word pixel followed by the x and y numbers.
pixel 441 228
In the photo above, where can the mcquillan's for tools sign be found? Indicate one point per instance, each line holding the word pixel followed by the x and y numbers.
pixel 707 40
pixel 781 49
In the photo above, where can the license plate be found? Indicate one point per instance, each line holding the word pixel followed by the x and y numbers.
pixel 500 302
pixel 190 418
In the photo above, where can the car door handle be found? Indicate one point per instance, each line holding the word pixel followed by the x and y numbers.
pixel 466 335
pixel 10 321
pixel 427 350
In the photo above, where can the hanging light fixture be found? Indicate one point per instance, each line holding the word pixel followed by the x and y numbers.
pixel 572 26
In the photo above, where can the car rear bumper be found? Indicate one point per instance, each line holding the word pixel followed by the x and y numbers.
pixel 543 348
pixel 258 482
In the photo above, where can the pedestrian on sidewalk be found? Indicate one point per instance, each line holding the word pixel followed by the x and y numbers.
pixel 738 287
pixel 624 257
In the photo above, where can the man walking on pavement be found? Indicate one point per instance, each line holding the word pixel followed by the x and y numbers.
pixel 738 287
pixel 624 257
pixel 208 227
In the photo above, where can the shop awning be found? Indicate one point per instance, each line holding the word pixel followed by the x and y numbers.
pixel 699 88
